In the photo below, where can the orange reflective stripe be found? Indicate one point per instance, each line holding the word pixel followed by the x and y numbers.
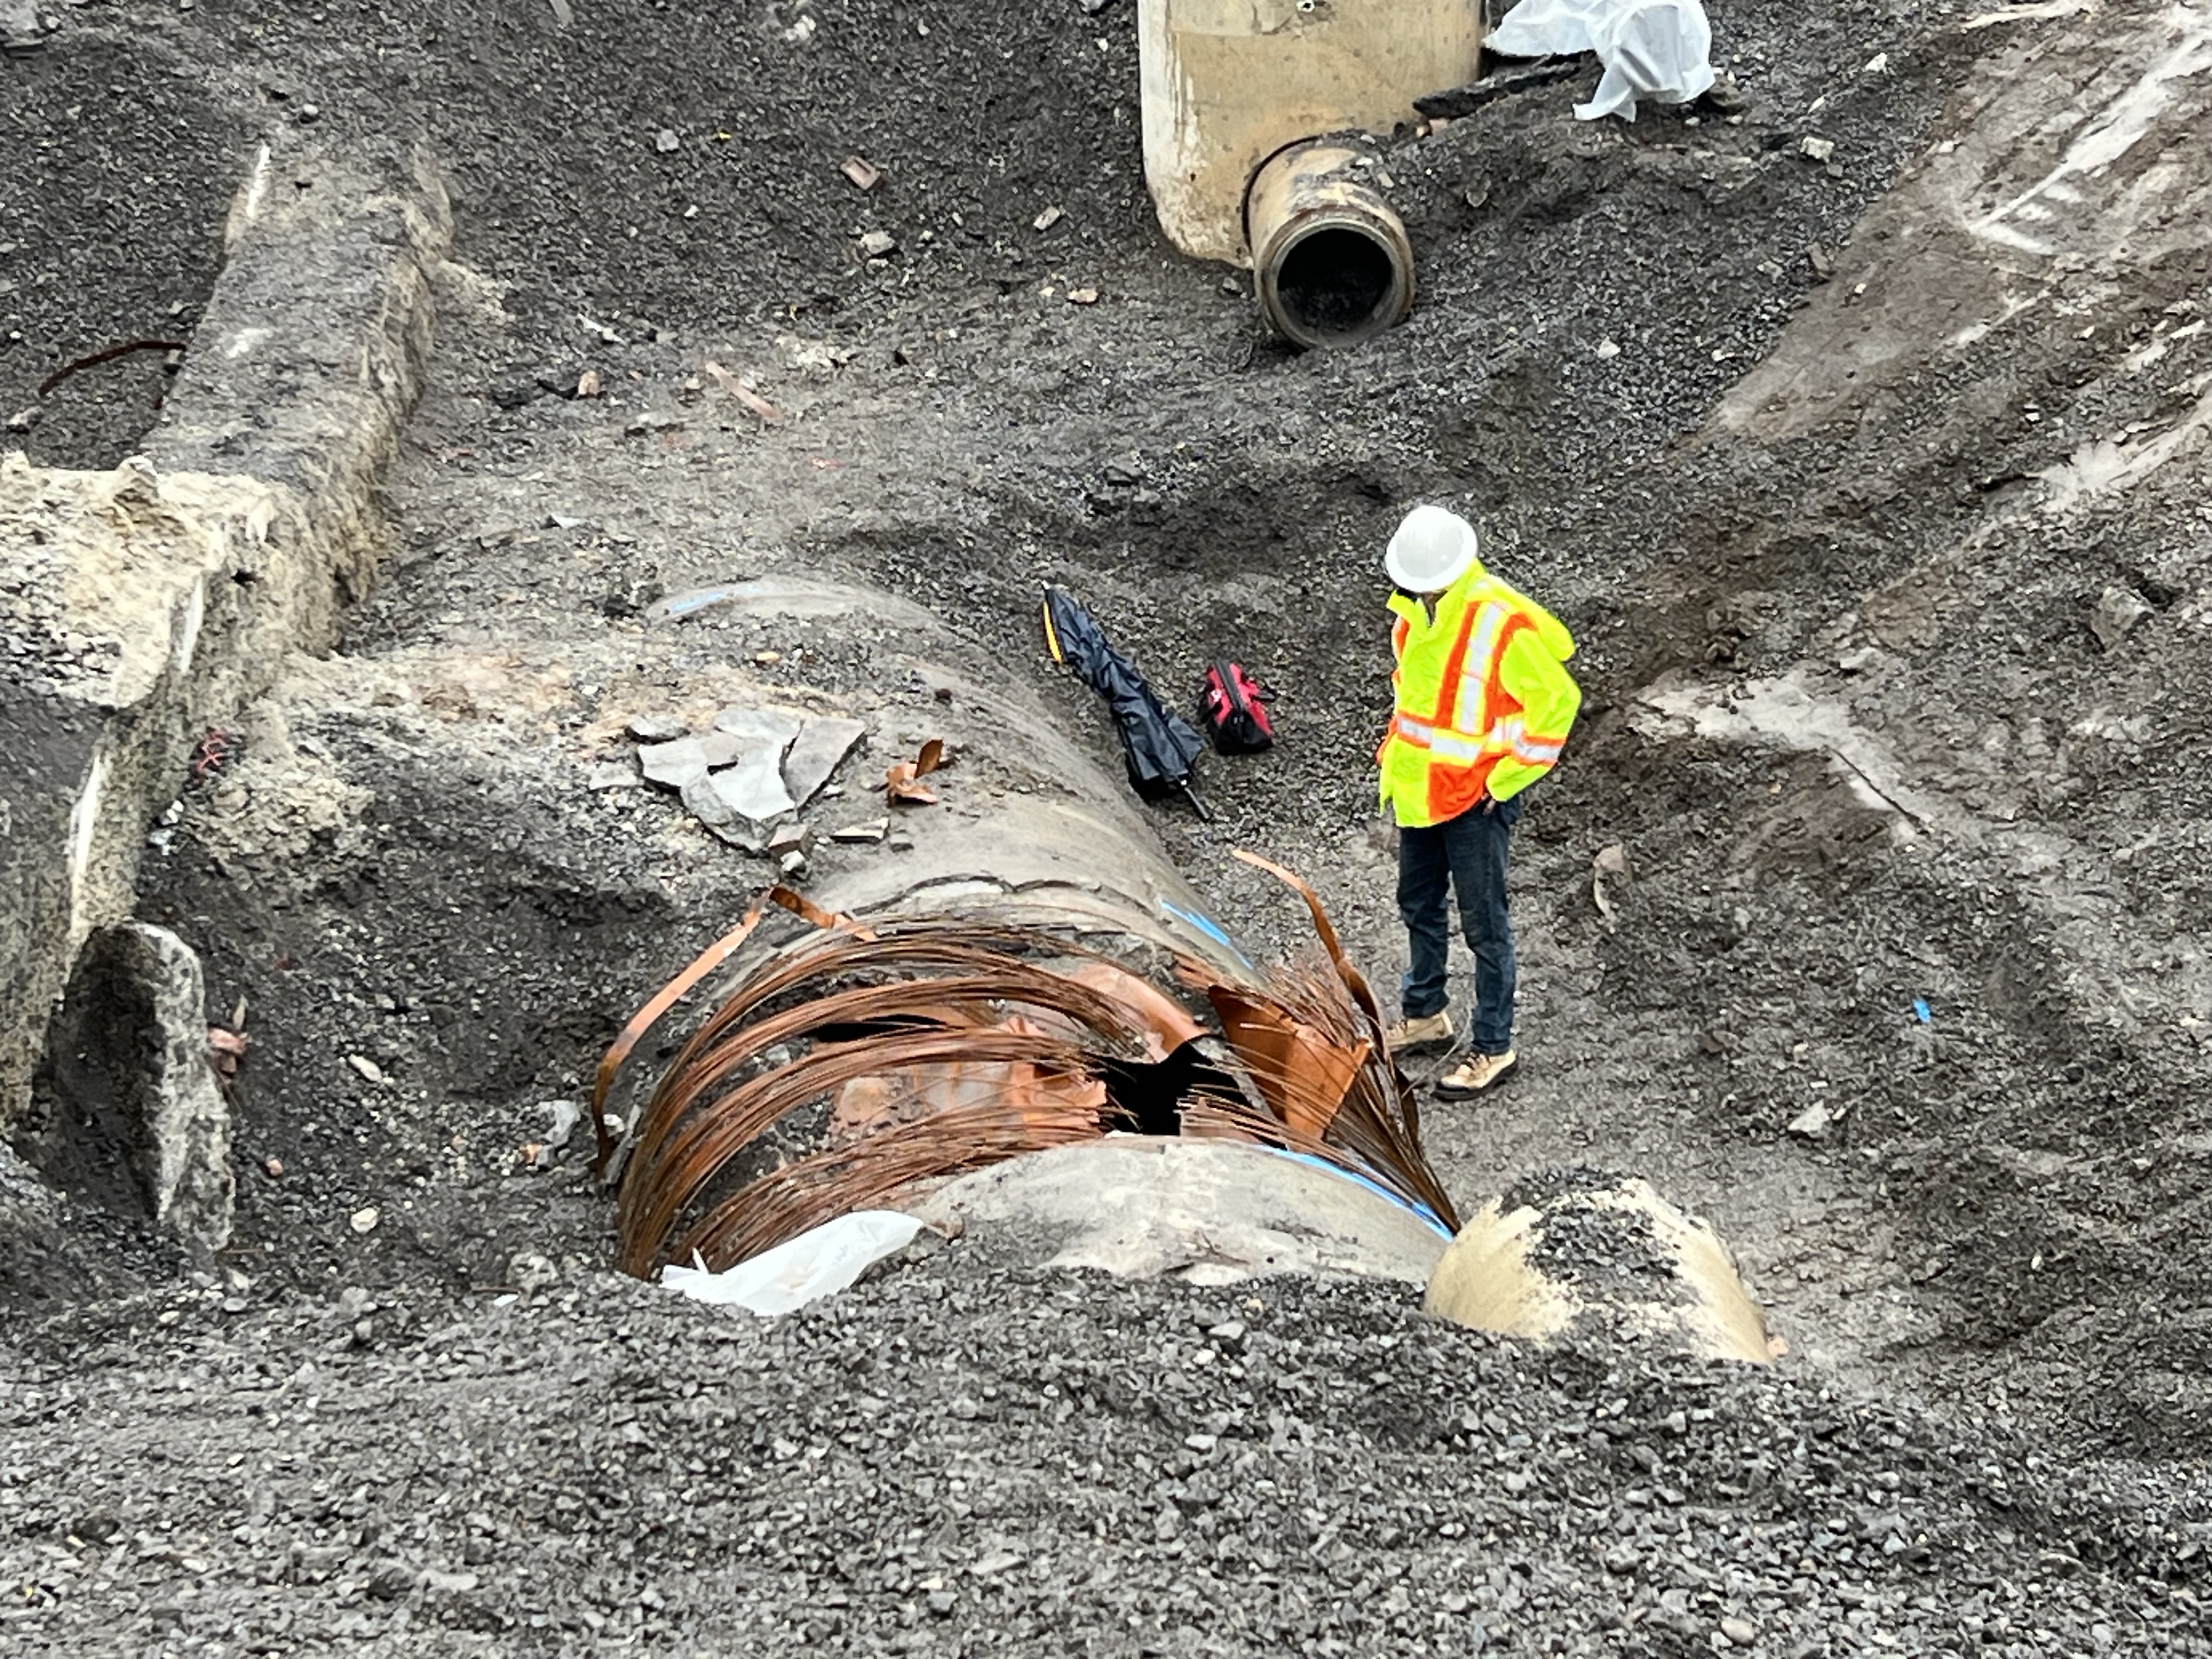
pixel 1497 703
pixel 1455 665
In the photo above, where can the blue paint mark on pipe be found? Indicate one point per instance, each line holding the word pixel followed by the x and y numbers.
pixel 1206 926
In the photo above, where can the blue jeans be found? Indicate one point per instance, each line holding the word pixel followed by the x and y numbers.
pixel 1467 854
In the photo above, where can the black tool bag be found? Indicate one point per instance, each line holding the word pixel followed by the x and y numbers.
pixel 1231 708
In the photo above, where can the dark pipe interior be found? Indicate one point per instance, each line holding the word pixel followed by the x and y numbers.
pixel 1333 282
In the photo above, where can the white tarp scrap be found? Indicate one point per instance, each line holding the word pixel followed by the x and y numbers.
pixel 1655 49
pixel 817 1263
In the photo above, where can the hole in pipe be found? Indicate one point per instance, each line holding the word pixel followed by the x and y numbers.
pixel 1335 283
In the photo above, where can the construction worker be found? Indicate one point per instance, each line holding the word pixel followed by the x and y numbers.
pixel 1484 705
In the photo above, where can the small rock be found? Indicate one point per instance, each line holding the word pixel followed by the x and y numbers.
pixel 391 1582
pixel 273 1168
pixel 1607 350
pixel 657 728
pixel 1812 1123
pixel 1125 471
pixel 1740 1633
pixel 877 244
pixel 1816 150
pixel 1047 218
pixel 370 1071
pixel 666 141
pixel 941 1602
pixel 900 843
pixel 364 1221
pixel 2119 611
pixel 565 1115
pixel 1864 660
pixel 858 834
pixel 793 863
pixel 792 838
pixel 611 774
pixel 1083 296
pixel 996 1562
pixel 1201 1443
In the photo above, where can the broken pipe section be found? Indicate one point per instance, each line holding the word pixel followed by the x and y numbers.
pixel 1330 261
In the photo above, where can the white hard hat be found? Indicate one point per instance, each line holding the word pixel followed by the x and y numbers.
pixel 1431 550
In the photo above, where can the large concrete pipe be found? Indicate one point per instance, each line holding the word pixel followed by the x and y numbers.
pixel 1237 96
pixel 1330 261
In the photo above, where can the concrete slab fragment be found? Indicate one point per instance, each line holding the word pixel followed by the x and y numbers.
pixel 774 727
pixel 674 764
pixel 816 754
pixel 754 787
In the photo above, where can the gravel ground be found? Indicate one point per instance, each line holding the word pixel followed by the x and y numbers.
pixel 956 1458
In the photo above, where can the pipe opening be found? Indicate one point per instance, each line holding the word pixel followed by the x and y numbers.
pixel 1336 285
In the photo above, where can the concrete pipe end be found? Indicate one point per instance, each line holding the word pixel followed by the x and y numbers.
pixel 1330 261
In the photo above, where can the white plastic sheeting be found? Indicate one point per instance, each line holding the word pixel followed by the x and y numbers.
pixel 817 1263
pixel 1655 49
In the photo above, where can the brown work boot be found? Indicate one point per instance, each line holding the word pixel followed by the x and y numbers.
pixel 1475 1074
pixel 1429 1031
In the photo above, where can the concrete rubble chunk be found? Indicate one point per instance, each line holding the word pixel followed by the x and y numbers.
pixel 657 728
pixel 791 837
pixel 132 1069
pixel 859 834
pixel 724 748
pixel 754 786
pixel 705 803
pixel 776 727
pixel 612 774
pixel 674 764
pixel 2119 611
pixel 820 747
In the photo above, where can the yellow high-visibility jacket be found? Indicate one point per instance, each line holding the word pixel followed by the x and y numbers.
pixel 1484 699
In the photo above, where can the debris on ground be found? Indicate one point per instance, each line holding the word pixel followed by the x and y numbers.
pixel 744 393
pixel 1158 745
pixel 903 785
pixel 1651 49
pixel 819 1262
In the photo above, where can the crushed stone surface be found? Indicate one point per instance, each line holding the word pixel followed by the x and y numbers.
pixel 958 1458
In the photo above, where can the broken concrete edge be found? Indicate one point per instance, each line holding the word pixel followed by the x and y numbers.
pixel 1684 1292
pixel 1206 1212
pixel 130 1115
pixel 190 574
